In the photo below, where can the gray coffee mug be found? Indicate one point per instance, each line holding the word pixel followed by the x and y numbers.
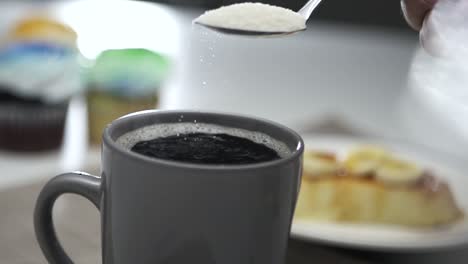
pixel 157 211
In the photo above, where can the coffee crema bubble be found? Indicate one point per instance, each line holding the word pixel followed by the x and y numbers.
pixel 204 144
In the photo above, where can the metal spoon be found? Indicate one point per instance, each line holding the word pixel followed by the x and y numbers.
pixel 305 12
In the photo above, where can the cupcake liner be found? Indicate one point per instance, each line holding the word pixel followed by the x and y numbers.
pixel 25 127
pixel 103 108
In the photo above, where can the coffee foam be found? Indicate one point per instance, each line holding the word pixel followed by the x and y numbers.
pixel 129 139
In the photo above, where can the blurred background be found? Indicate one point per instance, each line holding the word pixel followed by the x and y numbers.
pixel 68 68
pixel 361 12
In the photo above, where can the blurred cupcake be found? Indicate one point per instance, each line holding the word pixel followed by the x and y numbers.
pixel 39 72
pixel 45 30
pixel 122 82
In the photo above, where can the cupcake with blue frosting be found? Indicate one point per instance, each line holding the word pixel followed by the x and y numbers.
pixel 121 82
pixel 39 73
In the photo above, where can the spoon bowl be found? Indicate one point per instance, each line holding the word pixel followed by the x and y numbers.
pixel 305 12
pixel 250 33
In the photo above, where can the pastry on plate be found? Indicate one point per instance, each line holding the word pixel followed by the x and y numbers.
pixel 372 186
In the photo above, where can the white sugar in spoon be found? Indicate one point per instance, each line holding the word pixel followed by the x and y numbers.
pixel 299 18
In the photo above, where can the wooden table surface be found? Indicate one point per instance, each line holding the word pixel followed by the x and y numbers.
pixel 77 224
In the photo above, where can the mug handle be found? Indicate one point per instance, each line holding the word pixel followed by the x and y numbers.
pixel 83 184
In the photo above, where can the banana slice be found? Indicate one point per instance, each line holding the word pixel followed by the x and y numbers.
pixel 365 160
pixel 317 164
pixel 398 172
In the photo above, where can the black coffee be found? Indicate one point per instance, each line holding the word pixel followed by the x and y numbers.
pixel 203 148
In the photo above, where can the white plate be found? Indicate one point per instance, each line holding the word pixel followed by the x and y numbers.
pixel 392 238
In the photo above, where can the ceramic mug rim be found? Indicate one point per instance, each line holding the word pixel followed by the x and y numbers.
pixel 112 144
